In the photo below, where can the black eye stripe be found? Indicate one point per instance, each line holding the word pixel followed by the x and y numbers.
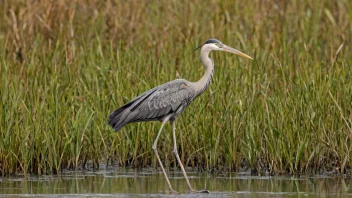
pixel 213 41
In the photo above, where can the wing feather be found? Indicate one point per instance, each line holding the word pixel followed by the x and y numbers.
pixel 165 100
pixel 169 98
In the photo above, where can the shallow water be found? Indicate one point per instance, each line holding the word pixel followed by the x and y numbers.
pixel 151 183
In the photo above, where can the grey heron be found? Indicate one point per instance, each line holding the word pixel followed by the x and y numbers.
pixel 165 102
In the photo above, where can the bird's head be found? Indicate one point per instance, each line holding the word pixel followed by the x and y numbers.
pixel 214 44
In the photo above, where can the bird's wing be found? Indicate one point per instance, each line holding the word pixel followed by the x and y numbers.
pixel 164 100
pixel 154 104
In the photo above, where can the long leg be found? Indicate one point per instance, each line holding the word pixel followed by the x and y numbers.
pixel 180 162
pixel 155 149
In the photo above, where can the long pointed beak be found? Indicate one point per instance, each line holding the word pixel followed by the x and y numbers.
pixel 234 51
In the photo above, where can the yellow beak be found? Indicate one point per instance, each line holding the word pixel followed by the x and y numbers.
pixel 234 51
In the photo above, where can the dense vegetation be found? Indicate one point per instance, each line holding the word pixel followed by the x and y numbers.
pixel 65 65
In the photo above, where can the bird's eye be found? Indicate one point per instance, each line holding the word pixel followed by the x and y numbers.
pixel 218 45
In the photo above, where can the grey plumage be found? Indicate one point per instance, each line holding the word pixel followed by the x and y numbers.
pixel 165 102
pixel 153 105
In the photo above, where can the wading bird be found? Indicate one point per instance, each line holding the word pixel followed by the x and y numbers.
pixel 165 102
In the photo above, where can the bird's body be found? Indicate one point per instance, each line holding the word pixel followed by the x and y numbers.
pixel 170 98
pixel 167 101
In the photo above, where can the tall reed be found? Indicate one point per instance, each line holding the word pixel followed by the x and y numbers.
pixel 65 65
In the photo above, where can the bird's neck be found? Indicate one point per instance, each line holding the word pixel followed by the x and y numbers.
pixel 205 81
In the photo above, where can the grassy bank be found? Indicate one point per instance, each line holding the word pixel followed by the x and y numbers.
pixel 65 65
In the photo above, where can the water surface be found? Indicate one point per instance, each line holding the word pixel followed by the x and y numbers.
pixel 123 182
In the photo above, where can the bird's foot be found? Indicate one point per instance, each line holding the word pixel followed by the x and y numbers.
pixel 199 191
pixel 172 191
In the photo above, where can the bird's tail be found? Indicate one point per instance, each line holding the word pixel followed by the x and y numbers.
pixel 124 114
pixel 118 118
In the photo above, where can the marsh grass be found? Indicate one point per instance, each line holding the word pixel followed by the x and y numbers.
pixel 65 65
